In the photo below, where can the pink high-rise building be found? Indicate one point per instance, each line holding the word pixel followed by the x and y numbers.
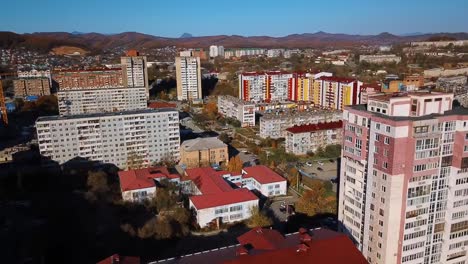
pixel 404 179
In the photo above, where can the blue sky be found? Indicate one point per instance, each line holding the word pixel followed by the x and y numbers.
pixel 171 18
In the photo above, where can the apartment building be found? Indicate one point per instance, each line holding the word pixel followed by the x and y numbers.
pixel 378 59
pixel 135 71
pixel 88 79
pixel 232 107
pixel 336 92
pixel 275 123
pixel 266 86
pixel 75 102
pixel 403 183
pixel 309 138
pixel 35 74
pixel 200 152
pixel 188 73
pixel 33 86
pixel 216 51
pixel 145 136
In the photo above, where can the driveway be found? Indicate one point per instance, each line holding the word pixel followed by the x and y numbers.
pixel 276 205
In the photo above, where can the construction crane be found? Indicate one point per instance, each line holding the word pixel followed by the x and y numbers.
pixel 3 109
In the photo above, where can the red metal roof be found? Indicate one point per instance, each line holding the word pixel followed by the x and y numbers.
pixel 262 174
pixel 337 79
pixel 337 249
pixel 116 258
pixel 262 238
pixel 208 180
pixel 219 199
pixel 315 127
pixel 143 178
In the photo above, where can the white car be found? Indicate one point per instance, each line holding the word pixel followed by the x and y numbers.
pixel 309 163
pixel 320 163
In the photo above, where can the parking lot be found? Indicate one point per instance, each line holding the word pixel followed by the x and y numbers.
pixel 329 170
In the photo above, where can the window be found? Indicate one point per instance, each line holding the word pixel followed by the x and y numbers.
pixel 377 137
pixel 384 188
pixel 384 176
pixel 387 140
pixel 421 129
pixel 385 152
pixel 377 126
pixel 385 165
pixel 387 129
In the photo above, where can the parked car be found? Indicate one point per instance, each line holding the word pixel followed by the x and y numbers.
pixel 334 180
pixel 320 163
pixel 309 163
pixel 319 168
pixel 331 160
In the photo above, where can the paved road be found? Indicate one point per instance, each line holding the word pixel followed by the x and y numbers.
pixel 330 170
pixel 276 205
pixel 247 158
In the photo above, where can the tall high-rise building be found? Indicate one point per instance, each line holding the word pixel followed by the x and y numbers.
pixel 141 136
pixel 188 75
pixel 403 194
pixel 134 69
pixel 76 102
pixel 98 78
pixel 216 51
pixel 33 86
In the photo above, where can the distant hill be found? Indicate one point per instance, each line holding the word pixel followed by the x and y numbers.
pixel 186 35
pixel 46 41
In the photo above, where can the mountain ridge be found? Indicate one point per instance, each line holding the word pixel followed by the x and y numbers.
pixel 97 41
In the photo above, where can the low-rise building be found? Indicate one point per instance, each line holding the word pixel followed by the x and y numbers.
pixel 201 152
pixel 455 85
pixel 308 138
pixel 140 184
pixel 275 123
pixel 382 58
pixel 34 86
pixel 264 180
pixel 215 200
pixel 232 107
pixel 74 102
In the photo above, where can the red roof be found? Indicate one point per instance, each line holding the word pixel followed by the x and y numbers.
pixel 156 105
pixel 120 259
pixel 262 174
pixel 338 249
pixel 376 86
pixel 143 178
pixel 262 238
pixel 336 79
pixel 315 127
pixel 208 180
pixel 216 199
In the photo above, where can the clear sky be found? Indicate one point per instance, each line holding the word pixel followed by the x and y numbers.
pixel 171 18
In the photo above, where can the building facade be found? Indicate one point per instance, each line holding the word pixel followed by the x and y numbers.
pixel 88 79
pixel 35 86
pixel 135 72
pixel 145 136
pixel 382 58
pixel 201 152
pixel 403 181
pixel 232 107
pixel 36 74
pixel 188 73
pixel 75 102
pixel 308 138
pixel 274 124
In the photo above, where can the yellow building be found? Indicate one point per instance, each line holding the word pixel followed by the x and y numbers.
pixel 202 152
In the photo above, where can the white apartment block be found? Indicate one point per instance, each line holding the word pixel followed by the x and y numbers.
pixel 35 74
pixel 75 102
pixel 216 51
pixel 188 73
pixel 384 58
pixel 309 138
pixel 274 124
pixel 404 179
pixel 146 135
pixel 232 107
pixel 135 71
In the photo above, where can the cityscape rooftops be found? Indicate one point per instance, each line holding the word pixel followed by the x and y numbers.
pixel 97 115
pixel 262 174
pixel 202 144
pixel 208 180
pixel 315 127
pixel 143 178
pixel 157 105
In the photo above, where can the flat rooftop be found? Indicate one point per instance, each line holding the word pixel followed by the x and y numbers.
pixel 94 115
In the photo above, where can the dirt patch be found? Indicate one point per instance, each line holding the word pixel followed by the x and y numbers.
pixel 68 50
